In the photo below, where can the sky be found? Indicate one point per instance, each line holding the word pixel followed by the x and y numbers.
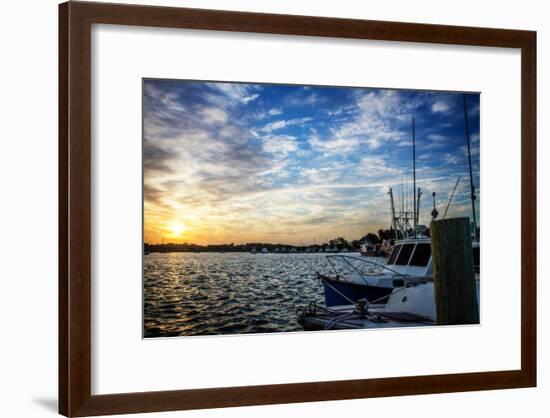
pixel 238 163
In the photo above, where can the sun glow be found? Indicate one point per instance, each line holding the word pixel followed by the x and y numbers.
pixel 177 229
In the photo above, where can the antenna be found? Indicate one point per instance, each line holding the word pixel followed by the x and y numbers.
pixel 472 188
pixel 451 198
pixel 394 219
pixel 402 194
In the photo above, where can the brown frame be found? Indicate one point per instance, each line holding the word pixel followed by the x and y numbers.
pixel 75 21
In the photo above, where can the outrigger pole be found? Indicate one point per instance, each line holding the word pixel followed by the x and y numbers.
pixel 451 198
pixel 472 188
pixel 414 179
pixel 417 207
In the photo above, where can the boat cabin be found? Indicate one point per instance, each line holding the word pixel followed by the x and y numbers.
pixel 414 257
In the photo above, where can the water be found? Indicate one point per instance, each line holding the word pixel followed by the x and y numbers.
pixel 228 293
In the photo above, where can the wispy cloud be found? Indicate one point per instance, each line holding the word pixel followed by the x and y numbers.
pixel 280 124
pixel 441 106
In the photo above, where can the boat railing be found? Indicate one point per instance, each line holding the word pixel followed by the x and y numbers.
pixel 347 258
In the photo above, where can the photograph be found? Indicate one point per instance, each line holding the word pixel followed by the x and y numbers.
pixel 277 208
pixel 274 209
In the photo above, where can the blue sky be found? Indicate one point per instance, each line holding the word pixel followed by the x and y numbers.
pixel 232 162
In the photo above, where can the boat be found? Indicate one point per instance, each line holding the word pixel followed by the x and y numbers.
pixel 264 251
pixel 412 304
pixel 356 278
pixel 253 251
pixel 372 250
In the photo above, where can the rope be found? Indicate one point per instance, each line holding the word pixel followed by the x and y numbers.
pixel 340 318
pixel 337 291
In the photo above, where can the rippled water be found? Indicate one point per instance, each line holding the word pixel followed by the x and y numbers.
pixel 227 293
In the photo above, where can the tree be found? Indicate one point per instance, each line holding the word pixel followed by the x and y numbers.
pixel 371 238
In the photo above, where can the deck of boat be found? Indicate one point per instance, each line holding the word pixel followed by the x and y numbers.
pixel 322 320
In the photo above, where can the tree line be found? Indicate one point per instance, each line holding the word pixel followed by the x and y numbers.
pixel 338 243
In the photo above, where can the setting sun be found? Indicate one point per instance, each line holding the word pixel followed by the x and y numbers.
pixel 177 229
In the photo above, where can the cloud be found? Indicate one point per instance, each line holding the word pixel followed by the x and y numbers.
pixel 380 117
pixel 451 159
pixel 213 115
pixel 440 106
pixel 269 113
pixel 373 166
pixel 243 93
pixel 281 124
pixel 281 145
pixel 474 151
pixel 303 98
pixel 437 137
pixel 334 145
pixel 436 141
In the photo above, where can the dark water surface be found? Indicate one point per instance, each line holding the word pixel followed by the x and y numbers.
pixel 227 293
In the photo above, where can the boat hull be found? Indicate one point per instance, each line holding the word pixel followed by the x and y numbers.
pixel 338 292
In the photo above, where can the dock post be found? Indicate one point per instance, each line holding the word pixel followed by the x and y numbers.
pixel 453 269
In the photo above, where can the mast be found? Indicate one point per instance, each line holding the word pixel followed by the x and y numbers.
pixel 415 215
pixel 472 188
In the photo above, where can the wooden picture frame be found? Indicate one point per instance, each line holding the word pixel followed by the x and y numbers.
pixel 75 181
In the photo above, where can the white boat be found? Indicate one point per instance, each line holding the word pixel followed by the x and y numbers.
pixel 407 306
pixel 358 278
pixel 264 251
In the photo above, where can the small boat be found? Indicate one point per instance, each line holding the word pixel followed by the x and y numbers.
pixel 253 251
pixel 264 251
pixel 410 305
pixel 372 250
pixel 358 278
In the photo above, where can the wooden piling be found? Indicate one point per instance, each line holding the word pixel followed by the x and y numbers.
pixel 453 269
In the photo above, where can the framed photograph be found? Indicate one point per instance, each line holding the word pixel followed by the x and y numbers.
pixel 259 209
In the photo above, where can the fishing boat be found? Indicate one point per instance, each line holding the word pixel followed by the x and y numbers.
pixel 409 260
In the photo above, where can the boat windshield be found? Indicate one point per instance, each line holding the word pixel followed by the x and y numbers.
pixel 476 258
pixel 404 255
pixel 421 255
pixel 394 253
